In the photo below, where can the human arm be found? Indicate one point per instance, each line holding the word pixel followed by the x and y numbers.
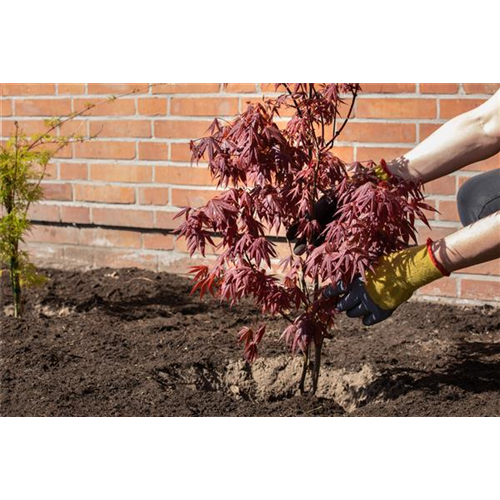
pixel 474 244
pixel 466 139
pixel 397 276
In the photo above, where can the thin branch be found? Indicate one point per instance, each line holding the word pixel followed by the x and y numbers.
pixel 336 134
pixel 76 114
pixel 322 120
pixel 293 99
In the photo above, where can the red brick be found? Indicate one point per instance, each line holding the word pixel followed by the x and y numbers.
pixel 481 88
pixel 283 123
pixel 439 88
pixel 106 107
pixel 448 211
pixel 182 247
pixel 181 129
pixel 153 151
pixel 104 194
pixel 346 154
pixel 186 88
pixel 125 258
pixel 157 241
pixel 71 88
pixel 462 180
pixel 105 149
pixel 117 88
pixel 120 173
pixel 240 87
pixel 110 238
pixel 50 171
pixel 480 290
pixel 152 106
pixel 73 171
pixel 45 213
pixel 178 265
pixel 74 127
pixel 54 234
pixel 454 107
pixel 444 287
pixel 183 175
pixel 444 185
pixel 180 152
pixel 191 198
pixel 66 152
pixel 396 108
pixel 165 220
pixel 16 89
pixel 210 106
pixel 485 165
pixel 388 88
pixel 29 127
pixel 270 88
pixel 46 255
pixel 43 107
pixel 377 154
pixel 79 256
pixel 153 196
pixel 379 132
pixel 121 128
pixel 57 191
pixel 5 107
pixel 426 129
pixel 436 233
pixel 80 215
pixel 491 268
pixel 430 214
pixel 120 217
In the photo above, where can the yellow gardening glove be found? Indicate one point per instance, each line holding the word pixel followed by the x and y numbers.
pixel 394 280
pixel 381 171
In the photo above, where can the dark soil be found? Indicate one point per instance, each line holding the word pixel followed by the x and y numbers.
pixel 135 343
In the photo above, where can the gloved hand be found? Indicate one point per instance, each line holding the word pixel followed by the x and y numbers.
pixel 382 171
pixel 324 213
pixel 394 280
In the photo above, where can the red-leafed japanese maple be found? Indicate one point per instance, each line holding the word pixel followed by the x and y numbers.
pixel 274 173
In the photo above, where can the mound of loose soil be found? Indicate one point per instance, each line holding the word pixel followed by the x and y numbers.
pixel 135 343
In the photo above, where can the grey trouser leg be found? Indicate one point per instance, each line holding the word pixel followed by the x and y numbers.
pixel 479 197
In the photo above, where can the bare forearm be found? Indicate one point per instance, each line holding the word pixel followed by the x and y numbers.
pixel 466 139
pixel 474 244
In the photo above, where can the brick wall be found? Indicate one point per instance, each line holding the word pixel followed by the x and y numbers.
pixel 110 202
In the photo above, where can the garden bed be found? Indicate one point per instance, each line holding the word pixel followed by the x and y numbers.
pixel 135 343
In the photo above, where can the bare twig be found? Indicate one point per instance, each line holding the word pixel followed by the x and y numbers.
pixel 336 134
pixel 86 108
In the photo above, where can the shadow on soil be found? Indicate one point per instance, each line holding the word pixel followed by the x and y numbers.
pixel 126 295
pixel 473 373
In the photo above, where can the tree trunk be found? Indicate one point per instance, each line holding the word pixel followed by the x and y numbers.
pixel 16 287
pixel 317 364
pixel 313 367
pixel 305 368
